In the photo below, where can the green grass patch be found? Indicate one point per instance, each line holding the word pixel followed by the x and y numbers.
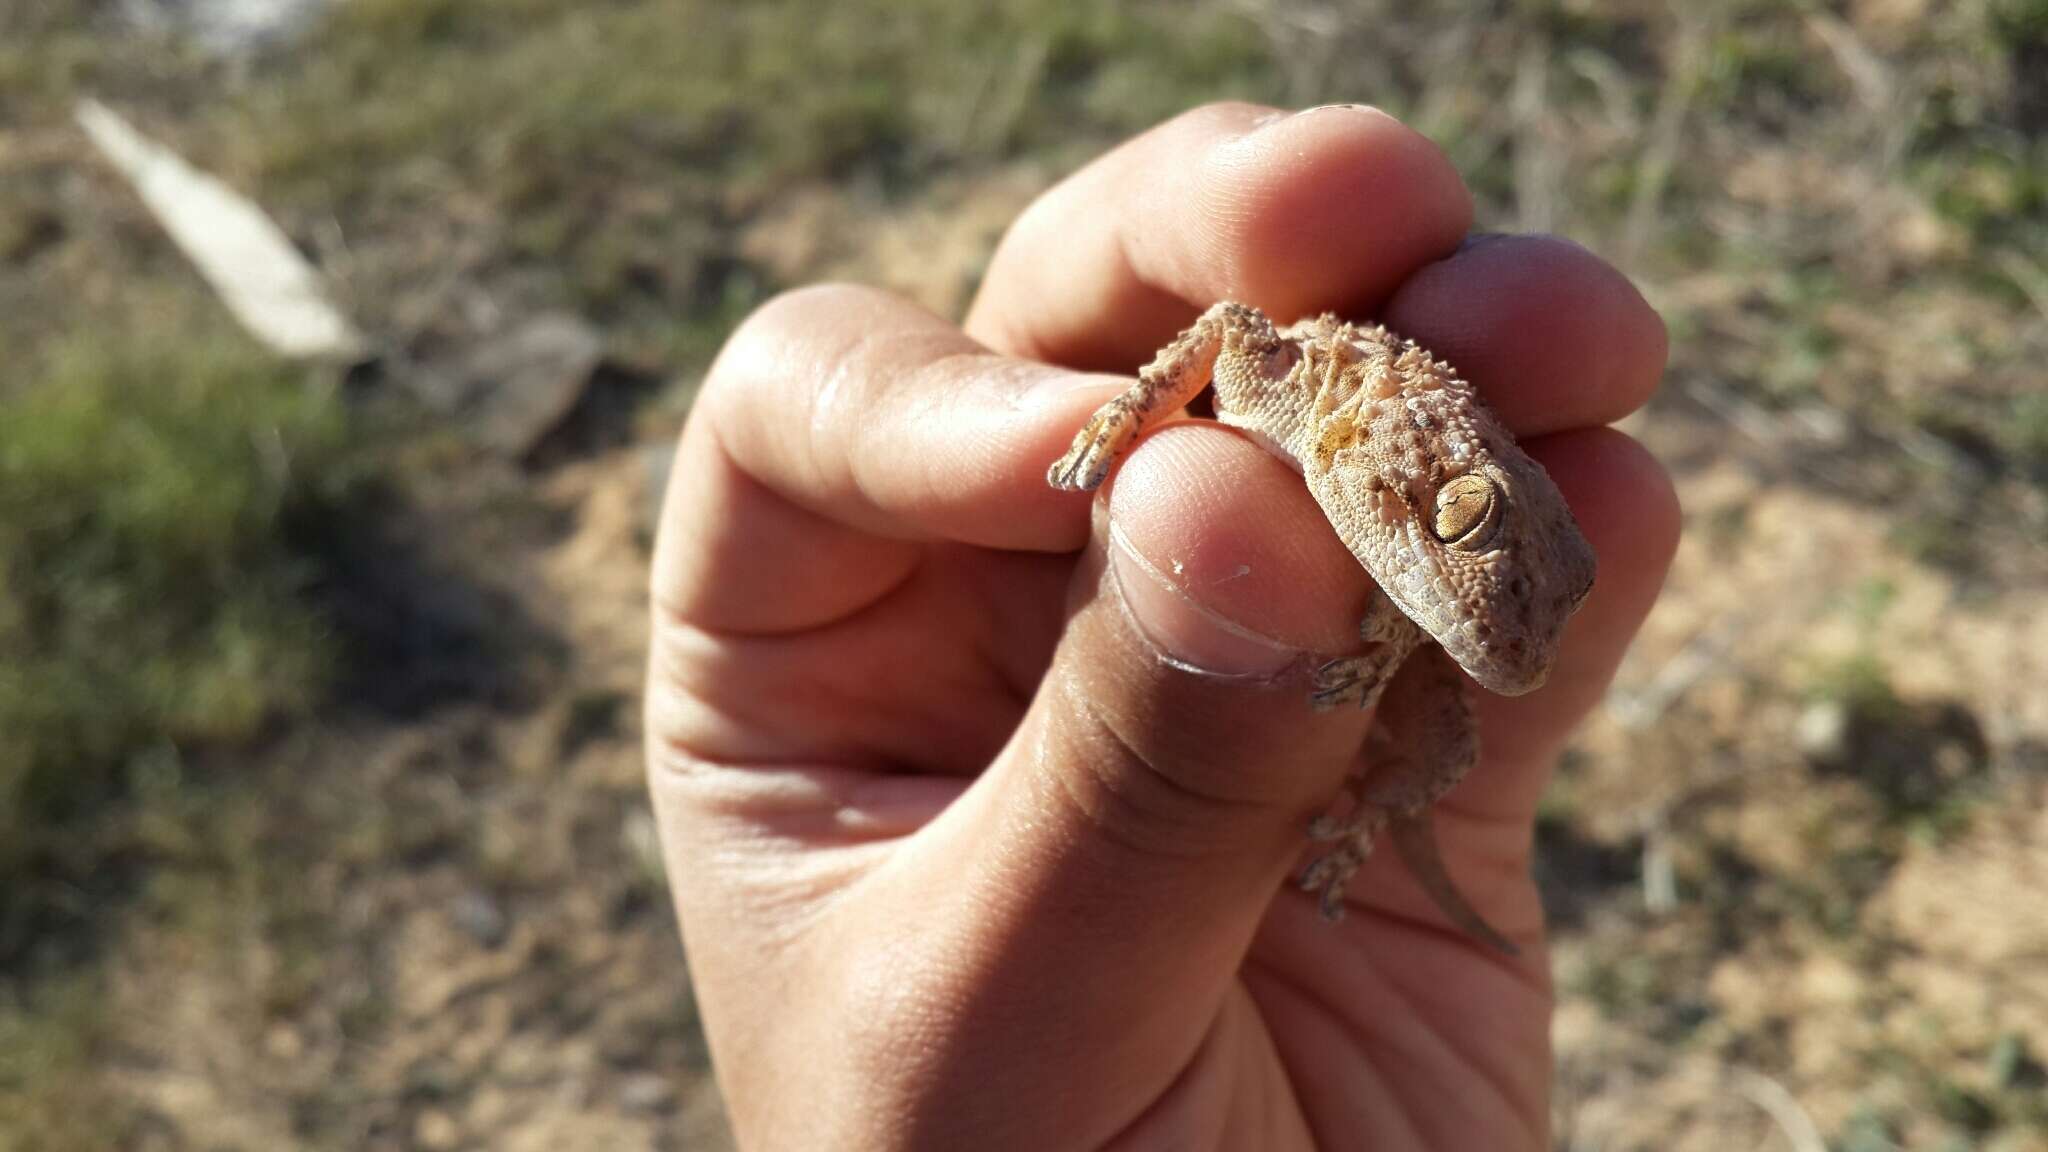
pixel 2026 435
pixel 513 92
pixel 1859 682
pixel 614 151
pixel 149 596
pixel 51 1098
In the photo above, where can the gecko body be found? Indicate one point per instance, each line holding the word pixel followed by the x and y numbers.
pixel 1478 561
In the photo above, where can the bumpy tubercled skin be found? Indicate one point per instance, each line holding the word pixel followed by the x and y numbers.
pixel 1478 560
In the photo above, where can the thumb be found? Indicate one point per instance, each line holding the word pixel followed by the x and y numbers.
pixel 1174 721
pixel 1122 850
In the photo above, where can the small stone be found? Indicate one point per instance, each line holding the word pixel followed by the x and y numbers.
pixel 435 1130
pixel 1823 731
pixel 481 918
pixel 647 1092
pixel 284 1042
pixel 489 1107
pixel 521 386
pixel 642 842
pixel 656 462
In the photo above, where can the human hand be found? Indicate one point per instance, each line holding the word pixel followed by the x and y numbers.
pixel 979 808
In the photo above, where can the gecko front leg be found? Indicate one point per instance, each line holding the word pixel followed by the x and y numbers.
pixel 1387 637
pixel 1174 377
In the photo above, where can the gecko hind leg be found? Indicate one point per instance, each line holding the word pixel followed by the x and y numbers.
pixel 1388 638
pixel 1423 742
pixel 1329 875
pixel 1356 827
pixel 1414 840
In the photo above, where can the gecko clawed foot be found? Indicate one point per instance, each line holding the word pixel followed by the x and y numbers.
pixel 1361 676
pixel 1359 821
pixel 1353 833
pixel 1328 877
pixel 1086 464
pixel 1329 828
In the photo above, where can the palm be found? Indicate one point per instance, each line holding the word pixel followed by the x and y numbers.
pixel 930 675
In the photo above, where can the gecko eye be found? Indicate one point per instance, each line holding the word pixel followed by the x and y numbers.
pixel 1467 509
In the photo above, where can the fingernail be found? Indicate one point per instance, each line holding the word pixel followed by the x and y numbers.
pixel 1185 632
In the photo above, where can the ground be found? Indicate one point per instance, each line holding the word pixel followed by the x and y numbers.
pixel 1793 866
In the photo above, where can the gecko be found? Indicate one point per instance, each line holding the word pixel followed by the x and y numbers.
pixel 1476 558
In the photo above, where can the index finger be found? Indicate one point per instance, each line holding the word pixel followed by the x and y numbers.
pixel 880 417
pixel 1328 209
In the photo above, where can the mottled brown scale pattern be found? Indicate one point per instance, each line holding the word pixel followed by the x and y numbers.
pixel 1478 557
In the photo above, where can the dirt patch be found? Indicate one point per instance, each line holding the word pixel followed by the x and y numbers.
pixel 480 950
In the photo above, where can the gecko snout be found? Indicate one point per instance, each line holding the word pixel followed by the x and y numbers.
pixel 1538 604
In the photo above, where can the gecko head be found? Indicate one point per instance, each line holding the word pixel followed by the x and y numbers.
pixel 1493 566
